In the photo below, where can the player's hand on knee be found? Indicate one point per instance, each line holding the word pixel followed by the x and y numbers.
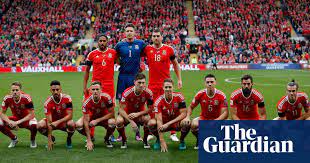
pixel 89 145
pixel 163 127
pixel 93 123
pixel 13 124
pixel 163 146
pixel 132 116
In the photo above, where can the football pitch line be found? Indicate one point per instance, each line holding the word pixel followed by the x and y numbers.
pixel 232 80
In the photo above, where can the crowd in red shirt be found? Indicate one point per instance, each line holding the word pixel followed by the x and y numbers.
pixel 245 32
pixel 34 32
pixel 41 33
pixel 299 12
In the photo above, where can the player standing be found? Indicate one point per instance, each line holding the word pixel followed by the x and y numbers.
pixel 132 109
pixel 213 105
pixel 247 103
pixel 98 110
pixel 129 52
pixel 102 59
pixel 290 106
pixel 58 111
pixel 159 56
pixel 23 115
pixel 170 111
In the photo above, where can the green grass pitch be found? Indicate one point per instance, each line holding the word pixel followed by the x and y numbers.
pixel 270 83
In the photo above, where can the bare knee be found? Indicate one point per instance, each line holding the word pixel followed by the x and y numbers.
pixel 112 123
pixel 194 125
pixel 42 124
pixel 119 121
pixel 79 123
pixel 151 123
pixel 70 123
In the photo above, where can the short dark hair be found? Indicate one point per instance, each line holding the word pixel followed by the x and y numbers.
pixel 246 77
pixel 102 35
pixel 140 76
pixel 130 25
pixel 55 82
pixel 156 30
pixel 169 80
pixel 17 83
pixel 293 83
pixel 210 76
pixel 95 83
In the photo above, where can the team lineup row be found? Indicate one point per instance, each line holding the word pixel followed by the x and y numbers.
pixel 165 113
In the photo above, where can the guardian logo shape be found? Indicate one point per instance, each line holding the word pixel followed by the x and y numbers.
pixel 240 140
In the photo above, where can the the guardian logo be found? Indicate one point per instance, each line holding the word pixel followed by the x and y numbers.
pixel 244 141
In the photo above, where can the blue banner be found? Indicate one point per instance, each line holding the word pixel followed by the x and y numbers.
pixel 275 66
pixel 254 141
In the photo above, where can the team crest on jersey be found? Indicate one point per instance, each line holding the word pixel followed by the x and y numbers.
pixel 12 106
pixel 143 99
pixel 98 110
pixel 110 55
pixel 136 47
pixel 22 106
pixel 204 101
pixel 164 108
pixel 252 102
pixel 131 99
pixel 137 106
pixel 175 105
pixel 63 106
pixel 164 52
pixel 54 108
pixel 58 111
pixel 151 51
pixel 216 102
pixel 97 56
pixel 102 105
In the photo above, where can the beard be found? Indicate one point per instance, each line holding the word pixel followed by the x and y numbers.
pixel 246 92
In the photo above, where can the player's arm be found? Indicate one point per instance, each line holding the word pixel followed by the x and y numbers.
pixel 177 70
pixel 262 110
pixel 224 114
pixel 49 131
pixel 178 118
pixel 147 110
pixel 159 121
pixel 30 114
pixel 233 112
pixel 4 117
pixel 224 110
pixel 86 120
pixel 67 117
pixel 107 116
pixel 86 76
pixel 306 106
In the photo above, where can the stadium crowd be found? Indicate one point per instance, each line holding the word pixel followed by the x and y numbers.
pixel 299 13
pixel 41 33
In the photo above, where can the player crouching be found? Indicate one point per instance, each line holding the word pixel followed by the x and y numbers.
pixel 170 111
pixel 58 112
pixel 22 115
pixel 132 109
pixel 290 106
pixel 98 110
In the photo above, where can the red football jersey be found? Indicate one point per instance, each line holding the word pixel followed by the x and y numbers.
pixel 210 106
pixel 170 110
pixel 136 103
pixel 97 109
pixel 103 67
pixel 58 110
pixel 159 60
pixel 293 110
pixel 19 109
pixel 247 108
